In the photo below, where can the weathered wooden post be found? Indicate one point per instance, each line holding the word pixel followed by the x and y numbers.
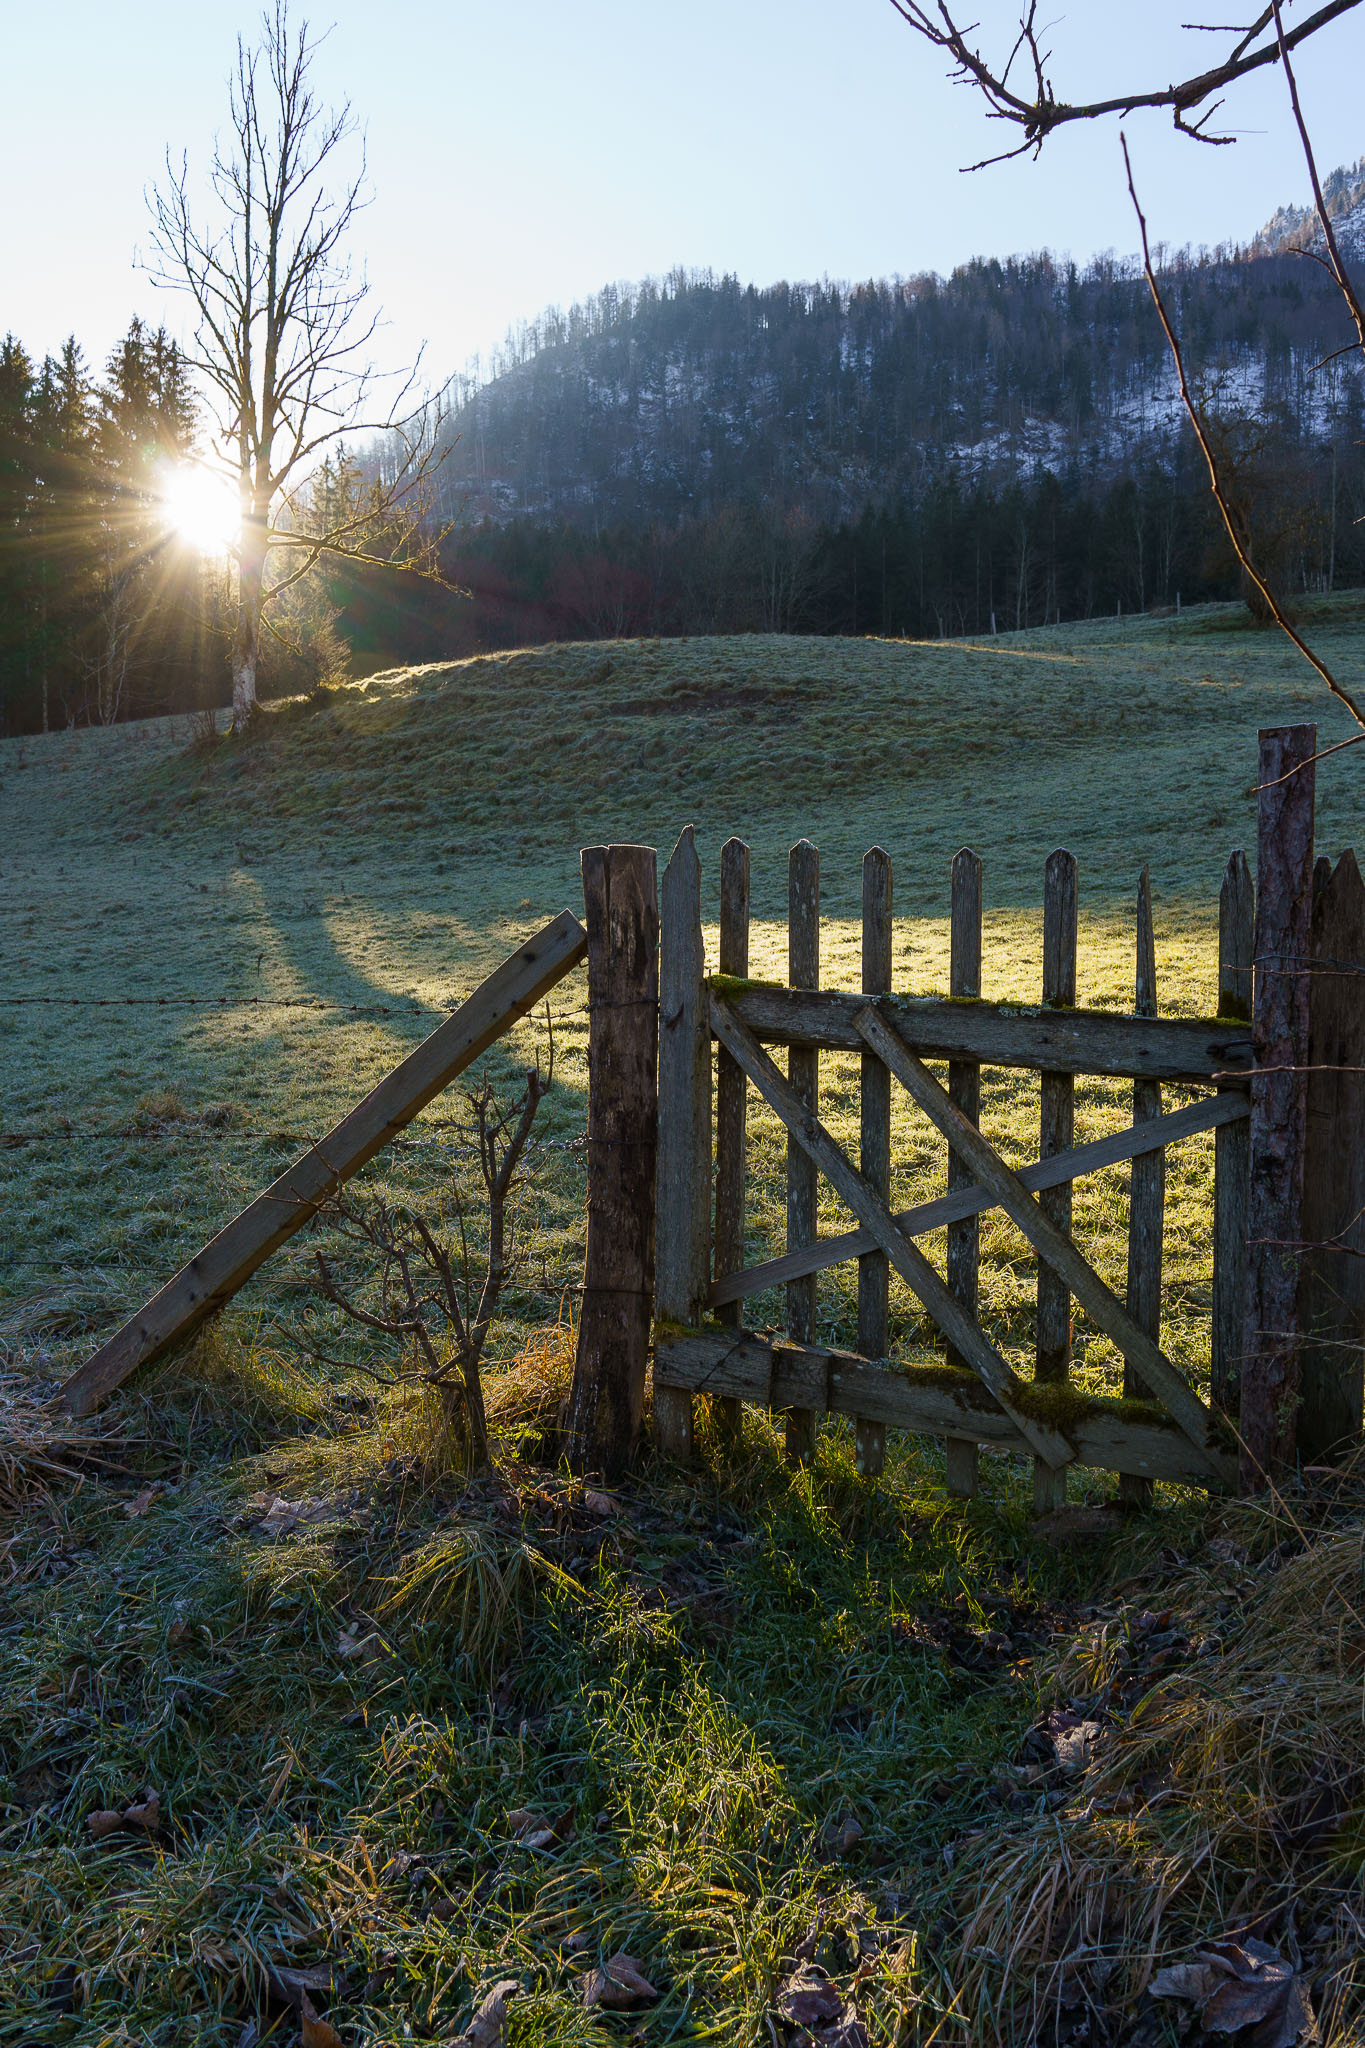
pixel 1146 1191
pixel 1279 1100
pixel 1331 1300
pixel 684 1182
pixel 803 1070
pixel 1236 949
pixel 964 1087
pixel 731 1107
pixel 875 1140
pixel 1057 1125
pixel 622 920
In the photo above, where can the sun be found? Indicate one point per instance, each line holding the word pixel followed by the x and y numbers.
pixel 202 507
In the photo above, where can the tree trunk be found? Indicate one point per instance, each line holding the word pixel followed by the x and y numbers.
pixel 246 640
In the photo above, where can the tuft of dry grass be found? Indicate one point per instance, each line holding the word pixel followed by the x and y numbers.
pixel 41 1451
pixel 1224 1798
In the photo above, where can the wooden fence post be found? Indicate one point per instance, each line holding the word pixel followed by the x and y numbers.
pixel 1057 1125
pixel 684 1182
pixel 1236 946
pixel 803 1071
pixel 964 1089
pixel 1331 1299
pixel 1279 1099
pixel 875 1154
pixel 731 1107
pixel 1146 1191
pixel 607 1402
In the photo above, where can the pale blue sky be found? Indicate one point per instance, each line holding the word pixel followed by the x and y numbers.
pixel 526 152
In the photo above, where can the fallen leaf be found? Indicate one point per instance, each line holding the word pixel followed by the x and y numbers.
pixel 103 1822
pixel 532 1830
pixel 618 1985
pixel 1192 1981
pixel 848 1835
pixel 350 1646
pixel 1238 1985
pixel 140 1502
pixel 144 1813
pixel 289 1986
pixel 599 1503
pixel 1072 1746
pixel 488 2027
pixel 315 2032
pixel 809 1999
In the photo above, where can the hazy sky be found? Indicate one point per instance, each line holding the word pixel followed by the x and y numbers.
pixel 524 152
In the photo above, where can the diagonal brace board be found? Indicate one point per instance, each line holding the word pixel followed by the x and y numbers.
pixel 1052 1244
pixel 214 1274
pixel 909 1261
pixel 1212 1113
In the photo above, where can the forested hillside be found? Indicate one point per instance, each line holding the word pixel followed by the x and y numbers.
pixel 925 456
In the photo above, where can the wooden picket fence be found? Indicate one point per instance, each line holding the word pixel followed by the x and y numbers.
pixel 1285 1096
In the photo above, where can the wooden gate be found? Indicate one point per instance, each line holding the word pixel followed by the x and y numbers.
pixel 1252 1056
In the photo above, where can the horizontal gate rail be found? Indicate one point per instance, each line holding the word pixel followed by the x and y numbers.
pixel 1199 1050
pixel 1115 1150
pixel 940 1400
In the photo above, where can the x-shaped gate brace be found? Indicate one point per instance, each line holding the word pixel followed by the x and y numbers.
pixel 1002 1187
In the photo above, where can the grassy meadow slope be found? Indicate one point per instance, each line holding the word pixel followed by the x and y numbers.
pixel 426 1736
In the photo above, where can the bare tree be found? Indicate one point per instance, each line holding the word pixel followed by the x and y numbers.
pixel 1033 106
pixel 283 324
pixel 1036 110
pixel 433 1303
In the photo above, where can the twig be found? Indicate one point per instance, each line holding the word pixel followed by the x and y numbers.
pixel 1336 266
pixel 1272 604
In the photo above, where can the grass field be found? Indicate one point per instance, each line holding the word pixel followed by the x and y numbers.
pixel 700 1688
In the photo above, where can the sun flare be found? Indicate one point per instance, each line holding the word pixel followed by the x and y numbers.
pixel 202 507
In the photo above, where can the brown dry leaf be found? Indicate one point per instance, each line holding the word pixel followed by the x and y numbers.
pixel 599 1503
pixel 144 1813
pixel 103 1822
pixel 848 1837
pixel 809 1999
pixel 1241 1985
pixel 315 2032
pixel 532 1830
pixel 488 2027
pixel 140 1502
pixel 618 1985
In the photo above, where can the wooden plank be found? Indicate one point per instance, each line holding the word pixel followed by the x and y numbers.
pixel 1199 1050
pixel 1231 1156
pixel 1279 1101
pixel 227 1262
pixel 1212 1114
pixel 805 1126
pixel 1102 1306
pixel 937 1400
pixel 1146 1189
pixel 803 1073
pixel 731 1102
pixel 683 1236
pixel 1056 1133
pixel 875 1144
pixel 606 1403
pixel 1331 1302
pixel 964 1090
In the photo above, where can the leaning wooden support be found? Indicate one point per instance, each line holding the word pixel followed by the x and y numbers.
pixel 683 1265
pixel 606 1404
pixel 937 1400
pixel 1279 1098
pixel 228 1261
